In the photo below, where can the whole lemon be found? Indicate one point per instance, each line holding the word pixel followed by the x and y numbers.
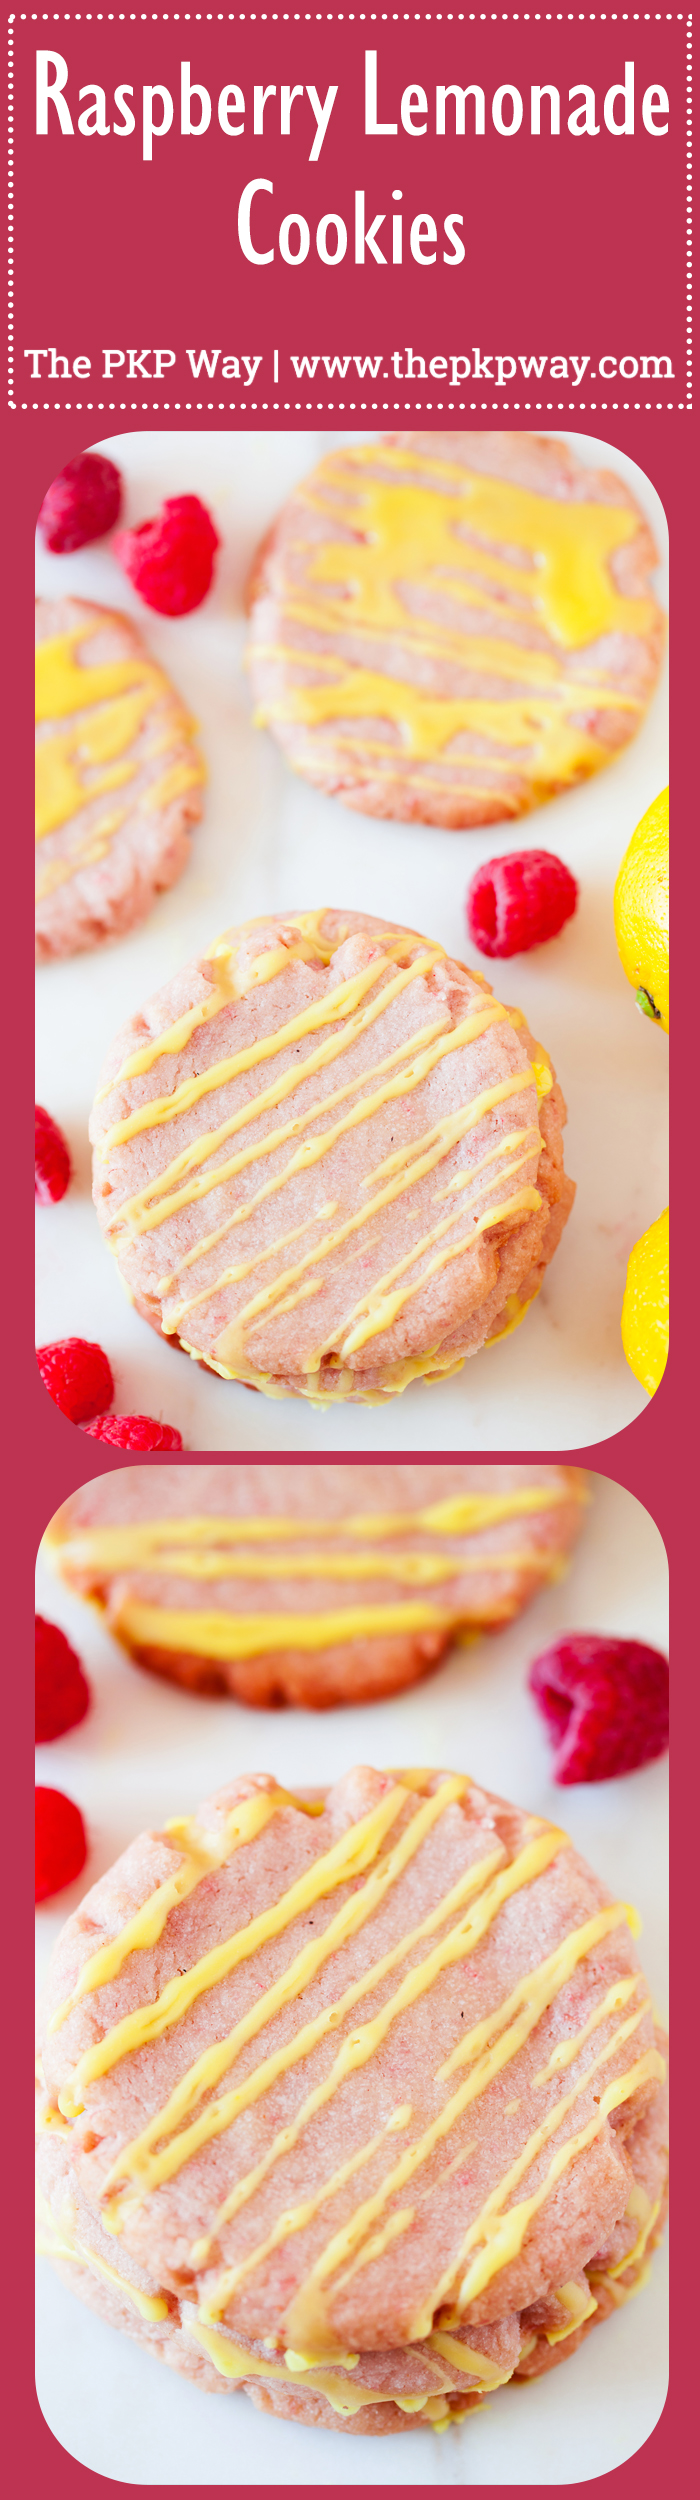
pixel 641 911
pixel 645 1307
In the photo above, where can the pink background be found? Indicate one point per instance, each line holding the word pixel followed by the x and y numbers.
pixel 654 1457
pixel 563 254
pixel 573 245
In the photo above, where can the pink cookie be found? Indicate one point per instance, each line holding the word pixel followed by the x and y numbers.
pixel 119 777
pixel 311 1585
pixel 452 627
pixel 352 2099
pixel 327 1160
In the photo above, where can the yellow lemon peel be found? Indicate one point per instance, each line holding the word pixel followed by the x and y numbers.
pixel 645 1306
pixel 641 912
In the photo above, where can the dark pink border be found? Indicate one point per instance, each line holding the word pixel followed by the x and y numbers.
pixel 654 1457
pixel 638 2479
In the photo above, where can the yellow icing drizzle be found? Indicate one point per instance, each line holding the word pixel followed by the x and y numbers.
pixel 503 2233
pixel 581 2305
pixel 382 1307
pixel 306 2317
pixel 344 1000
pixel 148 2169
pixel 567 2050
pixel 536 1990
pixel 521 709
pixel 640 2206
pixel 306 2322
pixel 231 981
pixel 108 706
pixel 191 2117
pixel 64 686
pixel 348 1857
pixel 202 1852
pixel 214 1548
pixel 82 855
pixel 395 1377
pixel 65 765
pixel 220 1635
pixel 172 785
pixel 52 2242
pixel 298 2362
pixel 418 1570
pixel 514 1312
pixel 463 2357
pixel 204 1166
pixel 141 1213
pixel 355 2051
pixel 229 1345
pixel 620 2292
pixel 296 2217
pixel 49 2121
pixel 148 1544
pixel 474 1880
pixel 344 2395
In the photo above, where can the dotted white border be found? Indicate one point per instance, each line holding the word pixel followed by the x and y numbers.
pixel 689 212
pixel 351 17
pixel 10 212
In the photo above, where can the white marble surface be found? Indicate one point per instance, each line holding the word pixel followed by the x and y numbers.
pixel 269 842
pixel 147 1752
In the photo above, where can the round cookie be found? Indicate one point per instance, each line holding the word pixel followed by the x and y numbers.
pixel 118 777
pixel 452 627
pixel 327 1160
pixel 311 1585
pixel 353 2100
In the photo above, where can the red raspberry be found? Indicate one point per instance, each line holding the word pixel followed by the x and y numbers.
pixel 606 1705
pixel 62 1691
pixel 517 902
pixel 60 1843
pixel 170 560
pixel 51 1159
pixel 78 1377
pixel 83 503
pixel 134 1432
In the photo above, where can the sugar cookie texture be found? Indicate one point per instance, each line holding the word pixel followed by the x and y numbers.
pixel 312 1585
pixel 353 2100
pixel 328 1161
pixel 452 627
pixel 118 777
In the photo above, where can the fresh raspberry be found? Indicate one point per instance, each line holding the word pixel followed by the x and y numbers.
pixel 78 1377
pixel 134 1432
pixel 605 1703
pixel 170 560
pixel 51 1159
pixel 60 1842
pixel 62 1691
pixel 83 503
pixel 517 902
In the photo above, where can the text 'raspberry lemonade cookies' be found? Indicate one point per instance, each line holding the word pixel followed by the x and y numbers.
pixel 452 627
pixel 328 1161
pixel 353 2100
pixel 118 777
pixel 306 1584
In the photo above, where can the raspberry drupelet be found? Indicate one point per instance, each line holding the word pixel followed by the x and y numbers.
pixel 170 560
pixel 519 901
pixel 78 1377
pixel 605 1704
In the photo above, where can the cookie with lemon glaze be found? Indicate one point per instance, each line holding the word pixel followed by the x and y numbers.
pixel 352 2098
pixel 452 627
pixel 118 776
pixel 311 1585
pixel 327 1160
